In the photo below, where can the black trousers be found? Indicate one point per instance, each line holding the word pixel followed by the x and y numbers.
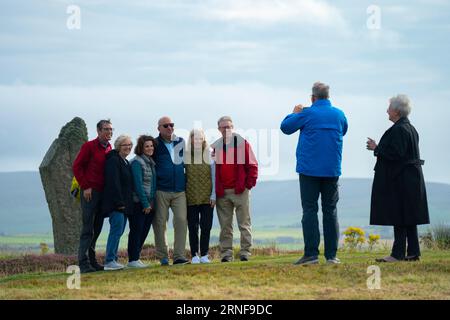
pixel 402 236
pixel 199 215
pixel 140 224
pixel 92 224
pixel 328 189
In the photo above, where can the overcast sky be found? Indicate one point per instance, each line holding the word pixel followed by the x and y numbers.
pixel 135 61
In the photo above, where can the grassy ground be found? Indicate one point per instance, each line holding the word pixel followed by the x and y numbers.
pixel 264 277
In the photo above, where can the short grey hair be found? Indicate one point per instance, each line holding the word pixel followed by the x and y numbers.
pixel 321 90
pixel 224 118
pixel 121 139
pixel 401 104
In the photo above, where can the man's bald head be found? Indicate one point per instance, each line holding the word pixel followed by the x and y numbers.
pixel 164 120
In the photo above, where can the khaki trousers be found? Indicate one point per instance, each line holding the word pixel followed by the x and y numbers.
pixel 225 210
pixel 177 202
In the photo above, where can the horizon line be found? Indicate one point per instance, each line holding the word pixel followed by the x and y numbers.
pixel 262 180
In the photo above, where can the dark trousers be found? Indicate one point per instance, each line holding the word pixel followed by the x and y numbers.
pixel 310 189
pixel 92 224
pixel 403 235
pixel 140 224
pixel 199 215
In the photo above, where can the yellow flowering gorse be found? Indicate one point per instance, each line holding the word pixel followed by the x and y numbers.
pixel 373 240
pixel 354 237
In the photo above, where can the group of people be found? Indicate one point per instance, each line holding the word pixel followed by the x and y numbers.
pixel 165 174
pixel 192 179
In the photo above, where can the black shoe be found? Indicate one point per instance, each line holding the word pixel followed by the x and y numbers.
pixel 388 259
pixel 87 269
pixel 412 258
pixel 181 261
pixel 97 266
pixel 226 259
pixel 244 258
pixel 307 260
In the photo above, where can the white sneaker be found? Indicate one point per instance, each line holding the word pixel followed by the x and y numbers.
pixel 195 260
pixel 113 266
pixel 334 261
pixel 205 259
pixel 143 265
pixel 136 264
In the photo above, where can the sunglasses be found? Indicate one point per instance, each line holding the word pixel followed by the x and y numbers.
pixel 168 125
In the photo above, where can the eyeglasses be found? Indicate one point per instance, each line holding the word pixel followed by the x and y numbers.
pixel 226 127
pixel 168 125
pixel 108 129
pixel 126 145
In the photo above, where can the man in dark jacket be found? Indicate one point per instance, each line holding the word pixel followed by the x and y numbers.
pixel 236 175
pixel 88 169
pixel 170 194
pixel 399 196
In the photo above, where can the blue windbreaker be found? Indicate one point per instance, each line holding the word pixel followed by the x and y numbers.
pixel 319 150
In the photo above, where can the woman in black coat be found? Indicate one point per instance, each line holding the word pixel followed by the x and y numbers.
pixel 117 201
pixel 399 197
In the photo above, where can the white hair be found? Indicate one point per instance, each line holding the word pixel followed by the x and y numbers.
pixel 401 104
pixel 224 118
pixel 121 139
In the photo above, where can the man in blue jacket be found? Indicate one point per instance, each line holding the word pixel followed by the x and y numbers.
pixel 319 157
pixel 171 187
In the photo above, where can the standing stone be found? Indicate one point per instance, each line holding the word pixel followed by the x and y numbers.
pixel 56 175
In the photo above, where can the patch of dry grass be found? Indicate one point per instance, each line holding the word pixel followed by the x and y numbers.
pixel 269 276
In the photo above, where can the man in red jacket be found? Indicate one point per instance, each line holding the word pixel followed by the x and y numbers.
pixel 88 169
pixel 236 174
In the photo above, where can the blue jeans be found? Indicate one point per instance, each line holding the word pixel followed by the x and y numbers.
pixel 117 221
pixel 310 189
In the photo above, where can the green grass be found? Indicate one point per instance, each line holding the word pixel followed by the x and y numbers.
pixel 31 239
pixel 17 244
pixel 264 277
